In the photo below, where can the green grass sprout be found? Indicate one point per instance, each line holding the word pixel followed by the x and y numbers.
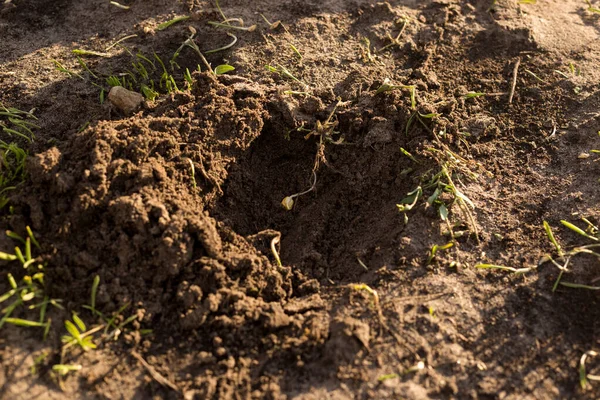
pixel 591 8
pixel 517 271
pixel 283 71
pixel 189 42
pixel 435 248
pixel 295 50
pixel 552 239
pixel 173 21
pixel 82 52
pixel 250 28
pixel 193 172
pixel 119 41
pixel 223 69
pixel 395 41
pixel 578 230
pixel 386 86
pixel 64 369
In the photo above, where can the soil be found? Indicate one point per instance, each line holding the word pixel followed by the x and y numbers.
pixel 189 250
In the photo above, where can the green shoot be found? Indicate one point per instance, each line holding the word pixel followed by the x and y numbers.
pixel 75 334
pixel 64 369
pixel 435 249
pixel 407 154
pixel 472 95
pixel 579 286
pixel 410 200
pixel 527 1
pixel 251 28
pixel 223 69
pixel 517 271
pixel 64 70
pixel 272 25
pixel 189 42
pixel 281 70
pixel 193 172
pixel 175 20
pixel 274 243
pixel 552 238
pixel 395 41
pixel 188 78
pixel 120 41
pixel 578 230
pixel 535 76
pixel 591 8
pixel 295 50
pixel 81 52
pixel 387 87
pixel 149 93
pixel 367 56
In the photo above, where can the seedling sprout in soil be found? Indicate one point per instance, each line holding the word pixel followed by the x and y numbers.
pixel 31 286
pixel 325 131
pixel 564 258
pixel 173 21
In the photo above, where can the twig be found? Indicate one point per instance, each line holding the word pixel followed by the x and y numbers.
pixel 514 81
pixel 154 374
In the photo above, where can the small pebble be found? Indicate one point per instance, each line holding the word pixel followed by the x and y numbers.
pixel 125 100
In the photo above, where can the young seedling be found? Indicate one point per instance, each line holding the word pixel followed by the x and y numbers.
pixel 274 25
pixel 189 42
pixel 386 86
pixel 566 256
pixel 472 95
pixel 274 243
pixel 516 271
pixel 193 173
pixel 395 41
pixel 119 42
pixel 434 250
pixel 365 49
pixel 64 369
pixel 171 22
pixel 94 292
pixel 223 69
pixel 223 25
pixel 288 202
pixel 82 52
pixel 591 8
pixel 283 71
pixel 583 375
pixel 30 288
pixel 77 334
pixel 535 76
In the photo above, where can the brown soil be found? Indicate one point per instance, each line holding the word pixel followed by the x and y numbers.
pixel 113 195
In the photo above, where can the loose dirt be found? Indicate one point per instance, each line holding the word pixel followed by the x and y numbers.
pixel 190 250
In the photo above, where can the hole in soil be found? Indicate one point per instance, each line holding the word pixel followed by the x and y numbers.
pixel 350 215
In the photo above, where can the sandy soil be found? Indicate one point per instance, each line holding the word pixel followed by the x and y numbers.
pixel 190 254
